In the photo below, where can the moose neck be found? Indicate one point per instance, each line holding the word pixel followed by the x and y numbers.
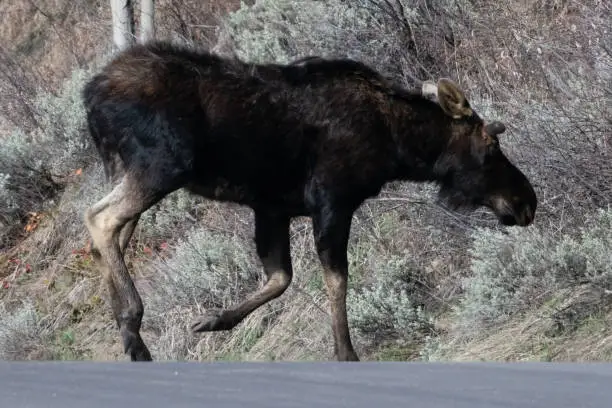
pixel 422 134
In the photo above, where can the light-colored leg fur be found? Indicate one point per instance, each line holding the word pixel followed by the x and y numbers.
pixel 111 222
pixel 336 283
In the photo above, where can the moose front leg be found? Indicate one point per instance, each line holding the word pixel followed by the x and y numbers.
pixel 331 229
pixel 272 242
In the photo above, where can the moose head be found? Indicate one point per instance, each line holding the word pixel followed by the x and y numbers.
pixel 473 169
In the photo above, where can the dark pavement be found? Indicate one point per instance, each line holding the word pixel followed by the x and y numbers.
pixel 325 384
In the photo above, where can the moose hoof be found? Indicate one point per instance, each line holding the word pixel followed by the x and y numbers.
pixel 349 357
pixel 135 347
pixel 140 354
pixel 213 320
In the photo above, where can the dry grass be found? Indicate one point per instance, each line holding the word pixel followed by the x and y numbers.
pixel 568 328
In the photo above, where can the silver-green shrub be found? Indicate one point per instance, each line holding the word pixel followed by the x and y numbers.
pixel 21 332
pixel 62 133
pixel 386 308
pixel 172 216
pixel 7 202
pixel 522 269
pixel 34 164
pixel 206 270
pixel 382 34
pixel 279 31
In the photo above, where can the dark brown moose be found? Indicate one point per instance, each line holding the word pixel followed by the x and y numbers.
pixel 314 138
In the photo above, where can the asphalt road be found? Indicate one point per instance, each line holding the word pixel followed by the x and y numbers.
pixel 312 385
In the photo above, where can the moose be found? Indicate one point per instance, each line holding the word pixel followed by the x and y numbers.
pixel 314 138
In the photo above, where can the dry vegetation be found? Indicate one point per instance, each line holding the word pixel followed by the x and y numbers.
pixel 426 283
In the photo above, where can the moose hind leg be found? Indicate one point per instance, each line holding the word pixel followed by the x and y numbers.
pixel 126 233
pixel 110 223
pixel 272 242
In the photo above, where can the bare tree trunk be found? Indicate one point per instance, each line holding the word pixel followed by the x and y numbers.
pixel 147 20
pixel 123 23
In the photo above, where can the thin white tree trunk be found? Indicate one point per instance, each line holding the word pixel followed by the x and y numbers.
pixel 147 20
pixel 123 23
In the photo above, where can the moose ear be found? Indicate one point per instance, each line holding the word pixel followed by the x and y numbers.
pixel 452 100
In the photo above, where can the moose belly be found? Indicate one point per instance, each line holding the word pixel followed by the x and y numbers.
pixel 222 190
pixel 288 202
